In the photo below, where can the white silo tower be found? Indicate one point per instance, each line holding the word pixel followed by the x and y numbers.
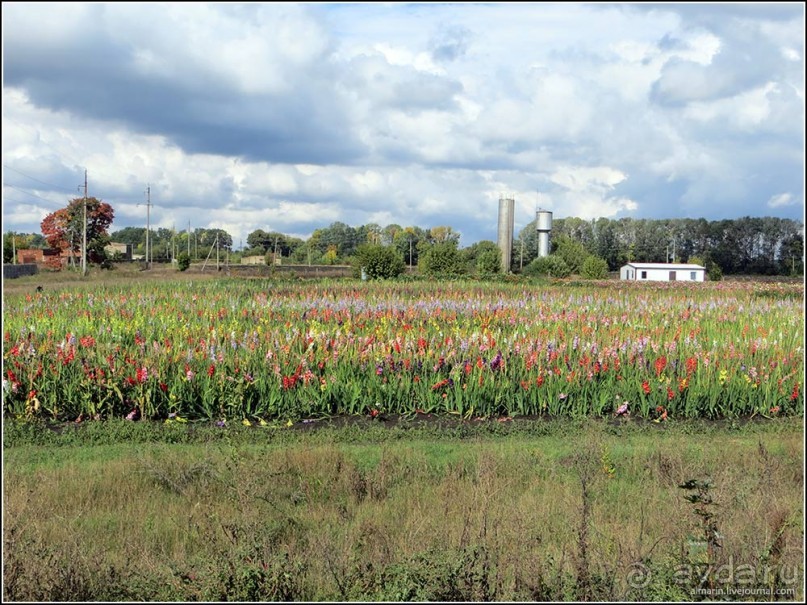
pixel 505 233
pixel 543 221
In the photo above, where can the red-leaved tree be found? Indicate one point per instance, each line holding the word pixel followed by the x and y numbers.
pixel 64 228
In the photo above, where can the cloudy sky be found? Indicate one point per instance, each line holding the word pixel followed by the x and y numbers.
pixel 289 117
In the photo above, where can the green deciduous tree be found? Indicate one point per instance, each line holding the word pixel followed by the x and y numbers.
pixel 441 259
pixel 482 257
pixel 594 267
pixel 551 266
pixel 571 251
pixel 378 262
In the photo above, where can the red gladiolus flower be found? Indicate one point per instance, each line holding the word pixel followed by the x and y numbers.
pixel 795 394
pixel 670 394
pixel 660 364
pixel 211 370
pixel 439 385
pixel 646 387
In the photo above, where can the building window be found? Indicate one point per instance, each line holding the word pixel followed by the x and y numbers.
pixel 693 276
pixel 644 274
pixel 672 275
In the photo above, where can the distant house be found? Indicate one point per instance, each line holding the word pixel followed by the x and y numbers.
pixel 662 272
pixel 49 257
pixel 124 249
pixel 253 260
pixel 31 256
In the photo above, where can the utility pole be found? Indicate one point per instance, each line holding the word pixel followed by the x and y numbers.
pixel 14 248
pixel 189 240
pixel 148 223
pixel 84 242
pixel 521 262
pixel 217 252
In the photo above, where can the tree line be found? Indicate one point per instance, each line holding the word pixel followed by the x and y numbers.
pixel 747 245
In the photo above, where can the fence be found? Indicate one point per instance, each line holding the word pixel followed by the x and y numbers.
pixel 14 271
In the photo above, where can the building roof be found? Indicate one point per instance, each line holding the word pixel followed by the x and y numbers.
pixel 665 266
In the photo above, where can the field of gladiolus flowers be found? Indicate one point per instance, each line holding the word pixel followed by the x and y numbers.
pixel 263 351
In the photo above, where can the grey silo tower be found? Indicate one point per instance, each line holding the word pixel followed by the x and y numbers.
pixel 507 207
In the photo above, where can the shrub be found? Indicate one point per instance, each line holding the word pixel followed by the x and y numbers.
pixel 441 259
pixel 378 262
pixel 572 252
pixel 183 261
pixel 552 266
pixel 489 261
pixel 715 273
pixel 594 267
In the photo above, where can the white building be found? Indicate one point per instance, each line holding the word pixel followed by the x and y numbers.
pixel 662 272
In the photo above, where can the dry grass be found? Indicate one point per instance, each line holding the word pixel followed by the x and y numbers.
pixel 491 519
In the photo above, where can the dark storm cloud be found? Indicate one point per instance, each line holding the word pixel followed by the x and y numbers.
pixel 97 76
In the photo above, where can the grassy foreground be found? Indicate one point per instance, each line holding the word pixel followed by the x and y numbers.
pixel 522 510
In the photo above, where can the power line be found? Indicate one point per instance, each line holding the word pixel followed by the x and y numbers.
pixel 31 194
pixel 8 199
pixel 35 179
pixel 43 141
